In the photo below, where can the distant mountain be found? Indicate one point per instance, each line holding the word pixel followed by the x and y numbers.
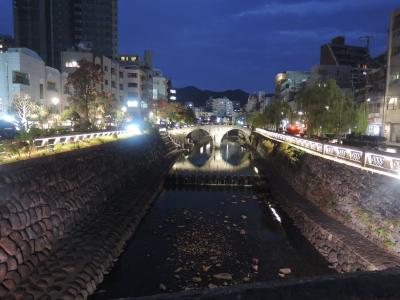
pixel 199 97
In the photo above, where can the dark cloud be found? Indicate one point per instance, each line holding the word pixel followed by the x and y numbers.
pixel 220 44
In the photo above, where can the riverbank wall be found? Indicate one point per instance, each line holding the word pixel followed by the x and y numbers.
pixel 65 218
pixel 351 216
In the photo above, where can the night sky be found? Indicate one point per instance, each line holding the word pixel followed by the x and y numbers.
pixel 229 44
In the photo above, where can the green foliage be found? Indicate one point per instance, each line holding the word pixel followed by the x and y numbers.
pixel 290 154
pixel 328 110
pixel 276 111
pixel 268 146
pixel 256 119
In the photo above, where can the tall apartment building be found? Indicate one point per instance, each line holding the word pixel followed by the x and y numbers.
pixel 356 58
pixel 220 107
pixel 49 27
pixel 392 103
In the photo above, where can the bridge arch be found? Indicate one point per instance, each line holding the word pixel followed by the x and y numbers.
pixel 217 132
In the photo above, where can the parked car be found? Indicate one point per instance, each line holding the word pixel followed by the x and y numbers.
pixel 7 130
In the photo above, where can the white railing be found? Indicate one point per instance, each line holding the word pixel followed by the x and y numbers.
pixel 72 138
pixel 373 160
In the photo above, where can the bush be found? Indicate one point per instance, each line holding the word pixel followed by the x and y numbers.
pixel 291 154
pixel 268 146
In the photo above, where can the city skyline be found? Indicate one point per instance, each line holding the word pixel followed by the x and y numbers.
pixel 225 47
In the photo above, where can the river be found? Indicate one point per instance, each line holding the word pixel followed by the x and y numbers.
pixel 199 237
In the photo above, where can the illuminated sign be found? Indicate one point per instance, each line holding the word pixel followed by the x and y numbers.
pixel 173 91
pixel 172 98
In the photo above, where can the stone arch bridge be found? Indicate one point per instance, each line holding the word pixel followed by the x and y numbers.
pixel 216 132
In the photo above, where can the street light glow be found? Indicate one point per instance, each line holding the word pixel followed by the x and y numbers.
pixel 55 100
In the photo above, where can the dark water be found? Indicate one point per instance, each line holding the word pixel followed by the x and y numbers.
pixel 199 238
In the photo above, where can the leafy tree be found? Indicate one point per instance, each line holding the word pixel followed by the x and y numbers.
pixel 83 81
pixel 276 111
pixel 70 114
pixel 189 116
pixel 327 109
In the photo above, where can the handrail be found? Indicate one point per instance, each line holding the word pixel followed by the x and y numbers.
pixel 372 160
pixel 64 139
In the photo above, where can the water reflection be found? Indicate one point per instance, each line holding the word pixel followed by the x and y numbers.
pixel 232 157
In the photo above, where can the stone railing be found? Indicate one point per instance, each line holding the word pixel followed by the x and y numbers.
pixel 64 139
pixel 384 163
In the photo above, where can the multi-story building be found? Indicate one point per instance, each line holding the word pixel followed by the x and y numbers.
pixel 392 103
pixel 220 107
pixel 160 86
pixel 24 73
pixel 50 27
pixel 375 93
pixel 337 53
pixel 288 84
pixel 342 74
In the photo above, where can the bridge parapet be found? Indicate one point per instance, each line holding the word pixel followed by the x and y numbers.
pixel 217 132
pixel 379 162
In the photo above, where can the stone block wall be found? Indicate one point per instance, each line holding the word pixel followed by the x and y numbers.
pixel 363 201
pixel 43 199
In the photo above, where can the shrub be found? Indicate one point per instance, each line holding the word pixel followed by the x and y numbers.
pixel 291 154
pixel 268 146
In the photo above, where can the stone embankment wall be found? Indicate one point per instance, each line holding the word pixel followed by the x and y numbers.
pixel 364 202
pixel 43 201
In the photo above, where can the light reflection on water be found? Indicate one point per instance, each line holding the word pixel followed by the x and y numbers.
pixel 232 157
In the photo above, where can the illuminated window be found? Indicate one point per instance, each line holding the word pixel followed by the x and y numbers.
pixel 72 64
pixel 1 46
pixel 123 58
pixel 392 103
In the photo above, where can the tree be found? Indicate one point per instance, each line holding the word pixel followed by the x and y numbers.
pixel 327 109
pixel 189 116
pixel 70 115
pixel 83 81
pixel 27 110
pixel 276 111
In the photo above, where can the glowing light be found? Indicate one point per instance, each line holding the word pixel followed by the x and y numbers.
pixel 133 103
pixel 55 100
pixel 276 215
pixel 9 118
pixel 256 170
pixel 133 129
pixel 124 109
pixel 72 64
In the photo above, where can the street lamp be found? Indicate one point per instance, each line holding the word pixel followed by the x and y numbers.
pixel 327 107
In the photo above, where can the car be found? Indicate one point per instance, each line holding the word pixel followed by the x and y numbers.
pixel 7 130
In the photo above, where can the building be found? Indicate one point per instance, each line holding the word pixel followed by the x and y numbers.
pixel 376 85
pixel 288 84
pixel 24 73
pixel 342 74
pixel 266 101
pixel 6 41
pixel 220 107
pixel 50 27
pixel 160 86
pixel 392 103
pixel 337 53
